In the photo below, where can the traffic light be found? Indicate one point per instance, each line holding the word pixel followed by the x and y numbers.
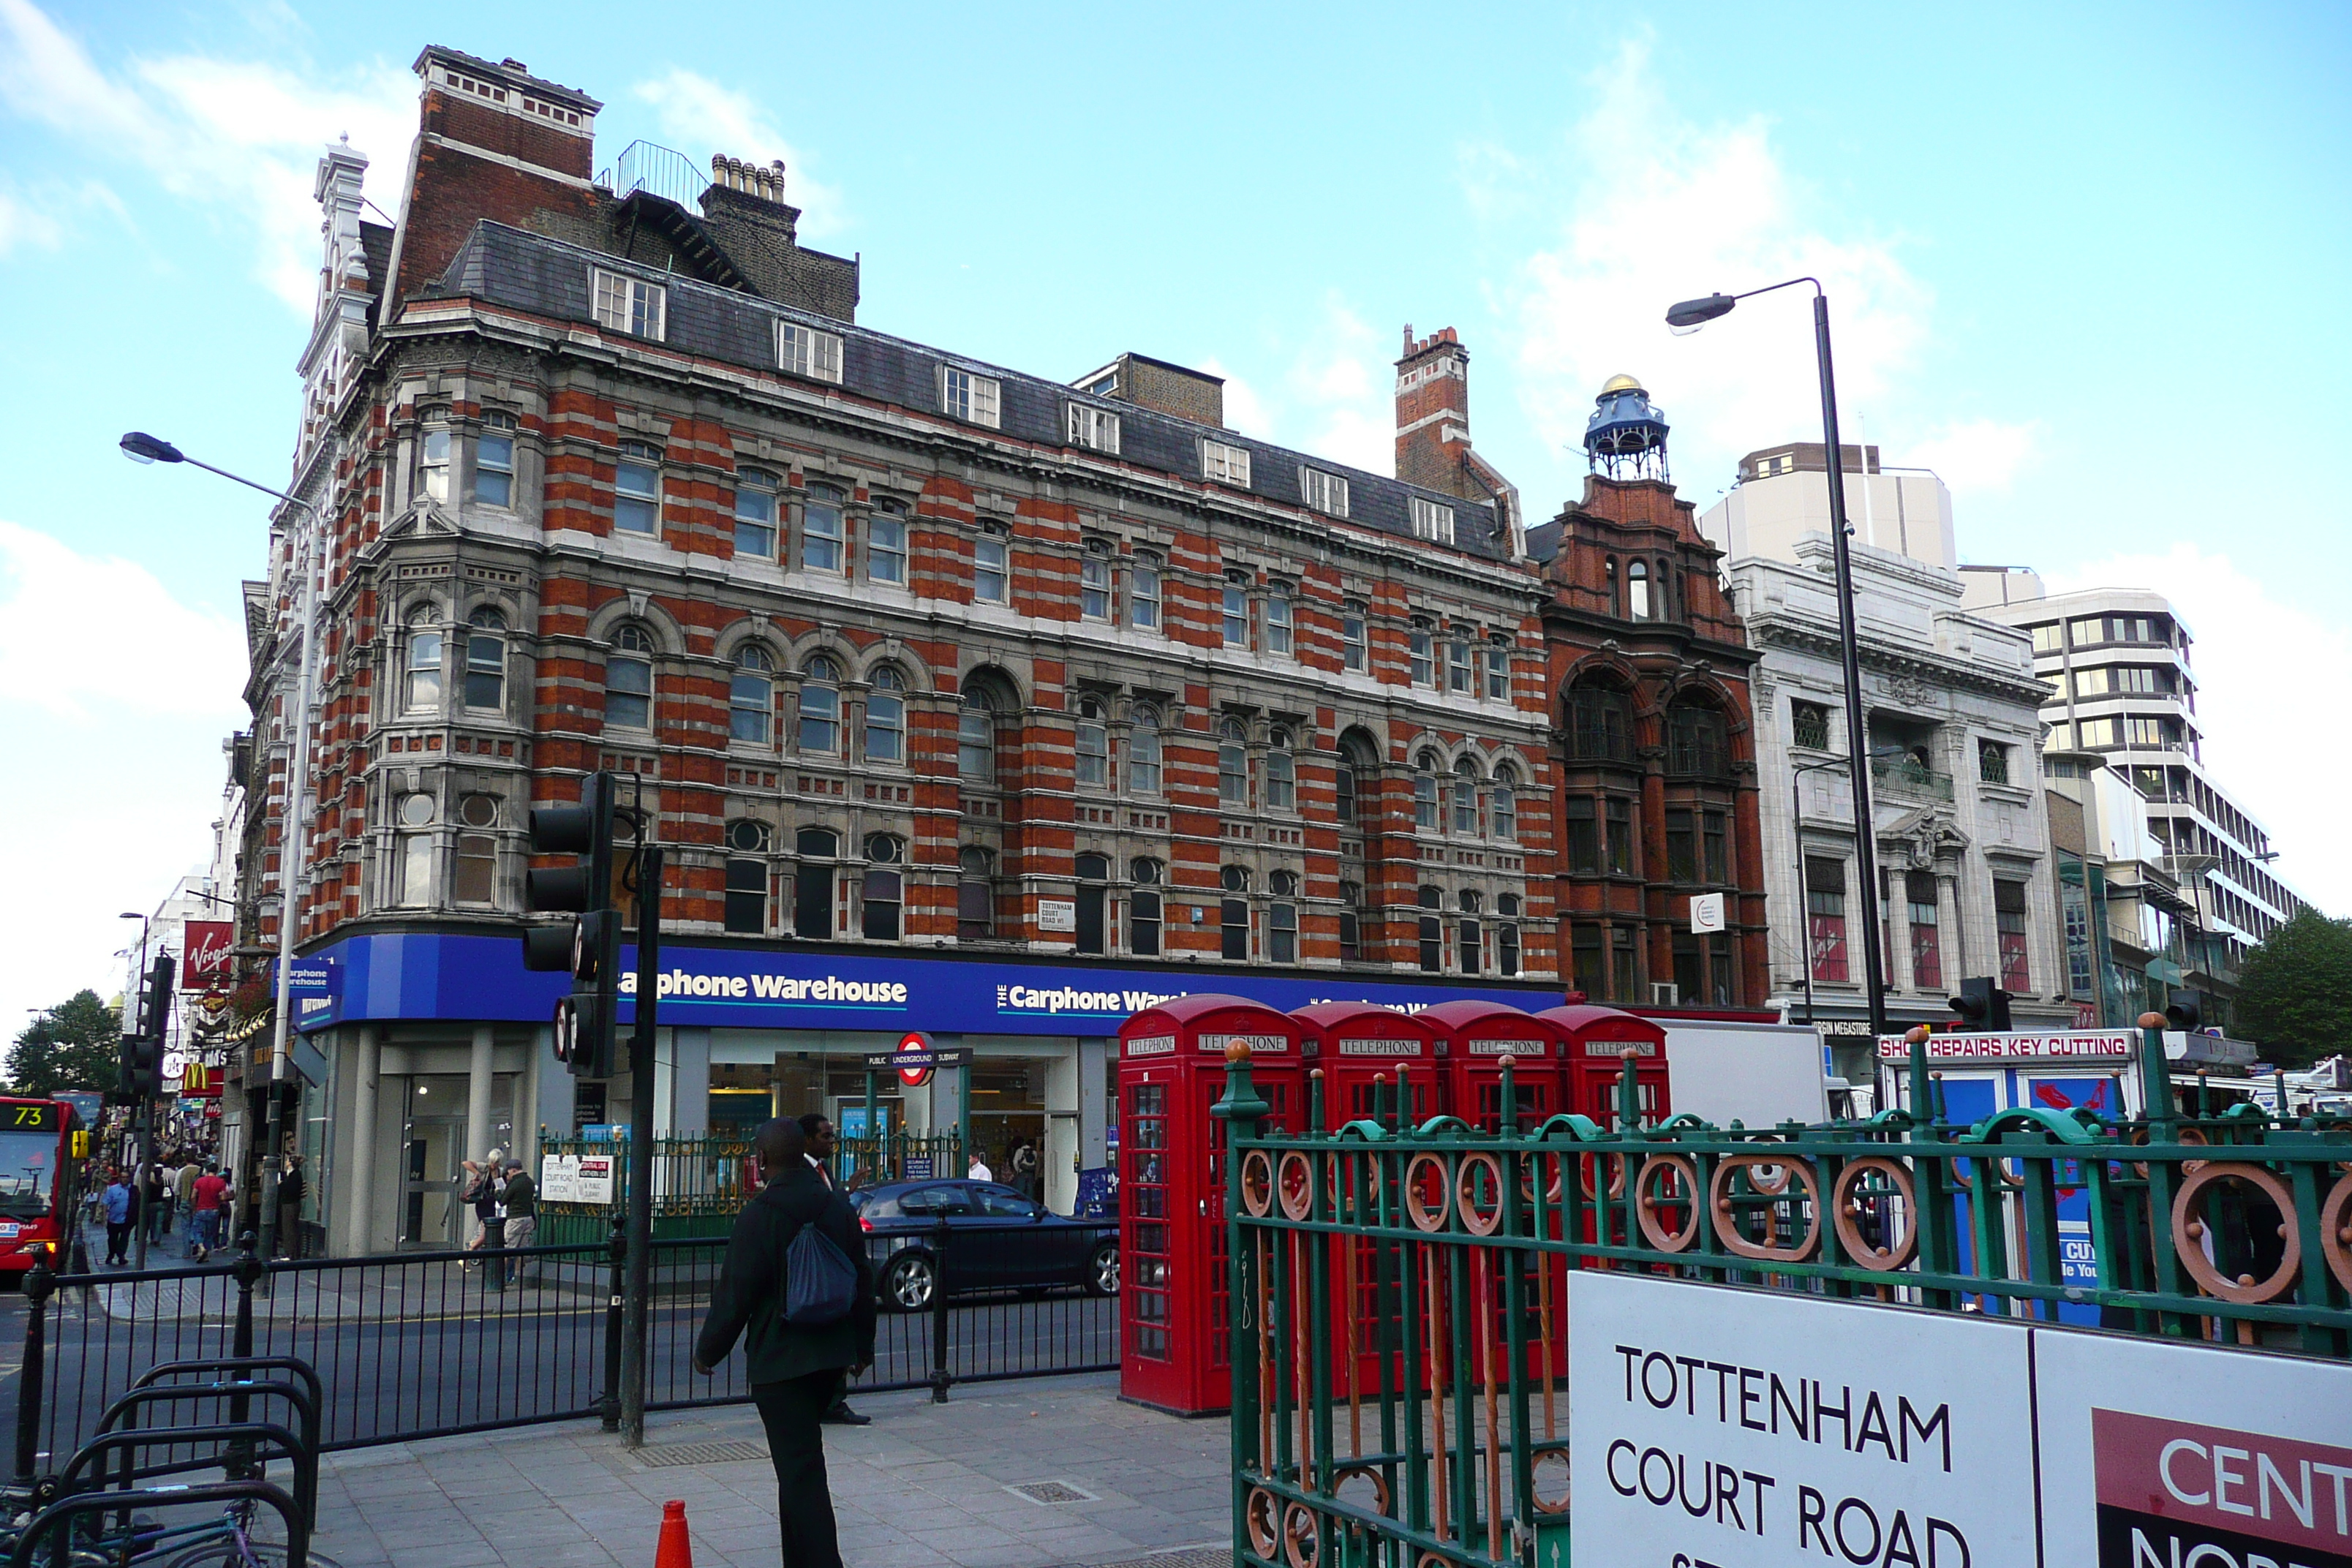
pixel 1983 1007
pixel 2182 1011
pixel 588 946
pixel 141 1058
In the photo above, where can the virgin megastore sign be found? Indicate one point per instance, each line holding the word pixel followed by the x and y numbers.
pixel 430 976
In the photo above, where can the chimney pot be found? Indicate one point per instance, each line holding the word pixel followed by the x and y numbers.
pixel 515 65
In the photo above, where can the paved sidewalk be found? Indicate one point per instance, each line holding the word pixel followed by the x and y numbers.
pixel 926 1486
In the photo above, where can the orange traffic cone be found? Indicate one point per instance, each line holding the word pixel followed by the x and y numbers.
pixel 675 1547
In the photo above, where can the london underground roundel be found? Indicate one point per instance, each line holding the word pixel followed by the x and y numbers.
pixel 917 1046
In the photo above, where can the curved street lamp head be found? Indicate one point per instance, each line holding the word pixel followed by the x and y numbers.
pixel 1692 314
pixel 141 447
pixel 128 915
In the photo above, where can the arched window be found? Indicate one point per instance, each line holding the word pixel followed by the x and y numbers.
pixel 1282 918
pixel 1637 590
pixel 751 694
pixel 885 889
pixel 1281 773
pixel 1233 763
pixel 1143 908
pixel 1469 943
pixel 477 850
pixel 1425 815
pixel 1698 741
pixel 424 659
pixel 486 660
pixel 1093 898
pixel 975 894
pixel 976 738
pixel 821 529
pixel 1092 742
pixel 1465 799
pixel 820 730
pixel 1143 749
pixel 755 514
pixel 885 717
pixel 1351 900
pixel 747 877
pixel 1600 723
pixel 1507 933
pixel 1358 761
pixel 629 679
pixel 413 868
pixel 1094 582
pixel 812 882
pixel 1432 929
pixel 1503 805
pixel 1234 912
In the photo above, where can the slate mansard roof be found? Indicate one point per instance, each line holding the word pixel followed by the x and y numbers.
pixel 499 265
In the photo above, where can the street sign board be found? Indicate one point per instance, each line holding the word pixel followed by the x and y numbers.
pixel 1057 914
pixel 203 954
pixel 910 1061
pixel 1798 1427
pixel 575 1178
pixel 2097 1045
pixel 912 1073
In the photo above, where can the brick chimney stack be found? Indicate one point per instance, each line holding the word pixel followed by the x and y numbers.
pixel 1433 414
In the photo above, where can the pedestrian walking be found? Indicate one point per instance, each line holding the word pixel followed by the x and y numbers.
pixel 519 1199
pixel 155 1212
pixel 121 1205
pixel 211 1196
pixel 822 1139
pixel 804 1305
pixel 183 1197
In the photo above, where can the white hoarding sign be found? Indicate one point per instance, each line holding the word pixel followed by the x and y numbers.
pixel 596 1178
pixel 575 1178
pixel 2158 1453
pixel 1057 914
pixel 1706 912
pixel 1738 1429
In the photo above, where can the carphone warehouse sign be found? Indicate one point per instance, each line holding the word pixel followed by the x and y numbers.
pixel 1721 1429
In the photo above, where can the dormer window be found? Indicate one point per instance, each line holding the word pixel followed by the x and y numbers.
pixel 1326 493
pixel 1431 520
pixel 804 351
pixel 631 305
pixel 1225 463
pixel 1095 428
pixel 967 396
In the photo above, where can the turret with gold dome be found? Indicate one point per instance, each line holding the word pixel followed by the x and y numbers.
pixel 1626 437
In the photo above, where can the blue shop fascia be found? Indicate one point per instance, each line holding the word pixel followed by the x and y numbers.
pixel 432 1046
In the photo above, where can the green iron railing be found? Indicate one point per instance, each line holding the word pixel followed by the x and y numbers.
pixel 896 1156
pixel 700 1183
pixel 1400 1292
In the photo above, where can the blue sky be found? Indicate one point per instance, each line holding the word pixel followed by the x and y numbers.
pixel 2087 263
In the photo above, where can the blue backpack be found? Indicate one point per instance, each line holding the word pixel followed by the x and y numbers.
pixel 820 1281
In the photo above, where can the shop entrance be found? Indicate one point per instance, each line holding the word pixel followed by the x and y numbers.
pixel 1008 1121
pixel 433 1146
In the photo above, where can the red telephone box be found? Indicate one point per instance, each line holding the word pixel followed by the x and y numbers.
pixel 1176 1351
pixel 1355 1043
pixel 1473 1037
pixel 1595 1041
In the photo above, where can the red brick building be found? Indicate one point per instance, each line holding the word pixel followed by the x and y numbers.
pixel 962 698
pixel 1655 752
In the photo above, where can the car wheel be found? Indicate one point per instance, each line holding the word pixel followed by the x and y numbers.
pixel 1102 1272
pixel 908 1283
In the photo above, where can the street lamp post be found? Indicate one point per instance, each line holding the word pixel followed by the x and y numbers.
pixel 141 447
pixel 1689 316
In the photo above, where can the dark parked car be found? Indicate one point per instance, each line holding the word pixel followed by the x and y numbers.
pixel 997 1240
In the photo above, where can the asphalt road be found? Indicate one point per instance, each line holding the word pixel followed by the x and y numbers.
pixel 407 1348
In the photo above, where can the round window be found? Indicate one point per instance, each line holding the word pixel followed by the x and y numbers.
pixel 478 810
pixel 416 811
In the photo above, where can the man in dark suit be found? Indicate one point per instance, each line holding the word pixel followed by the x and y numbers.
pixel 793 1372
pixel 821 1142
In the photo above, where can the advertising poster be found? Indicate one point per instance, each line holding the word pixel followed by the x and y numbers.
pixel 1740 1429
pixel 2164 1453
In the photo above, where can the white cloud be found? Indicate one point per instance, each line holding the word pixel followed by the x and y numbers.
pixel 23 223
pixel 1660 208
pixel 243 137
pixel 698 116
pixel 1975 455
pixel 2259 661
pixel 1244 408
pixel 1341 394
pixel 115 697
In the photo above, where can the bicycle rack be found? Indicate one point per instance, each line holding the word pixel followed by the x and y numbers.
pixel 298 1529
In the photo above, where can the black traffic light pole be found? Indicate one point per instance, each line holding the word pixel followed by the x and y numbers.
pixel 636 1298
pixel 142 1060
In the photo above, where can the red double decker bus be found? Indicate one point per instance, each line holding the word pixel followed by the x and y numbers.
pixel 41 1145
